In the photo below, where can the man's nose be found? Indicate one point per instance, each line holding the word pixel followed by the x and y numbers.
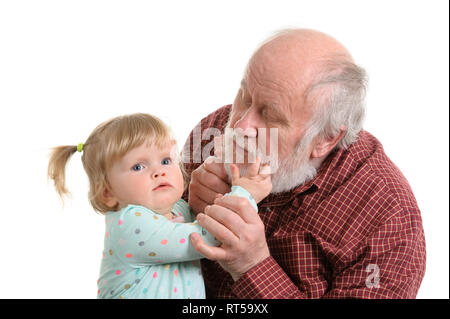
pixel 247 124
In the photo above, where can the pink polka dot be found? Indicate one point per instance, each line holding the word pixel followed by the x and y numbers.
pixel 155 274
pixel 182 241
pixel 175 290
pixel 107 235
pixel 164 242
pixel 120 222
pixel 118 272
pixel 129 255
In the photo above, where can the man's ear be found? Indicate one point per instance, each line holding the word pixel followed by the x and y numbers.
pixel 324 146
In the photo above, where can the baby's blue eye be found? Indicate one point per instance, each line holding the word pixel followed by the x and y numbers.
pixel 166 161
pixel 137 167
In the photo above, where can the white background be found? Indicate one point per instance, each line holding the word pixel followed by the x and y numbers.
pixel 66 66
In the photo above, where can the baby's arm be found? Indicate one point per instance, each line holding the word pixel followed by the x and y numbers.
pixel 150 238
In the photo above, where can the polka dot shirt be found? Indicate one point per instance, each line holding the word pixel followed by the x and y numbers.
pixel 148 256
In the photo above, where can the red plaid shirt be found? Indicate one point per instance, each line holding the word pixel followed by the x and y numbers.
pixel 354 231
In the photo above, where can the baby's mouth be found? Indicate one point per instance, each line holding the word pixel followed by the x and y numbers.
pixel 162 186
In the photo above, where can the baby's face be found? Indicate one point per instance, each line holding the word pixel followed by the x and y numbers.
pixel 147 176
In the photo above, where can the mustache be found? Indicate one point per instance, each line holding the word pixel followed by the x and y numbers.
pixel 235 147
pixel 237 136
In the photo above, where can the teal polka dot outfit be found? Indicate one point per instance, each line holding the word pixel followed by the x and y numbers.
pixel 148 256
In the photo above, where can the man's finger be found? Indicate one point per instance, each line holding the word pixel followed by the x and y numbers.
pixel 196 203
pixel 212 253
pixel 240 206
pixel 206 194
pixel 227 218
pixel 215 168
pixel 219 231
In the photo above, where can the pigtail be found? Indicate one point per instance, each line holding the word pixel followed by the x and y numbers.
pixel 57 167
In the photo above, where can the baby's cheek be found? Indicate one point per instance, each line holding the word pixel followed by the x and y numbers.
pixel 179 182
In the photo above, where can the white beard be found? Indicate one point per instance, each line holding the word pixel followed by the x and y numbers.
pixel 293 171
pixel 288 173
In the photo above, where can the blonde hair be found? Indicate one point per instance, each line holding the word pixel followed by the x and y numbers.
pixel 109 142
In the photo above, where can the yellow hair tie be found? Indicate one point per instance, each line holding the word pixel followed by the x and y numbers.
pixel 80 147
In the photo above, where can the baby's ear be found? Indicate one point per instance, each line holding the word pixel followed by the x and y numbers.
pixel 109 199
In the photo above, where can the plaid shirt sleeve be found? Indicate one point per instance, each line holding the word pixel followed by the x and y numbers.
pixel 267 280
pixel 386 267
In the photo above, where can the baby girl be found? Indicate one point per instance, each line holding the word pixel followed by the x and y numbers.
pixel 137 180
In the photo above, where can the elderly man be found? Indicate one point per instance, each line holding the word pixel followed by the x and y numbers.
pixel 341 220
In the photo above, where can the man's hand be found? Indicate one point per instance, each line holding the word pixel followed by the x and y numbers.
pixel 233 221
pixel 207 181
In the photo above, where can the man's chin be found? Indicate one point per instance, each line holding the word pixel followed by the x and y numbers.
pixel 285 180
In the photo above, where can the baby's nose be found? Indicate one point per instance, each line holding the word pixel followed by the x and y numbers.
pixel 158 174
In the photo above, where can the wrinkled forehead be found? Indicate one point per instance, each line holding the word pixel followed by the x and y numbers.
pixel 285 73
pixel 281 96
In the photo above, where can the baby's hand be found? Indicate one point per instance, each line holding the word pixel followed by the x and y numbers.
pixel 177 219
pixel 256 182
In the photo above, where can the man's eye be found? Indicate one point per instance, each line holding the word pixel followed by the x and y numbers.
pixel 166 161
pixel 137 167
pixel 247 102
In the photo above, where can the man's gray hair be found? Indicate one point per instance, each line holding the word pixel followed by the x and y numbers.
pixel 338 95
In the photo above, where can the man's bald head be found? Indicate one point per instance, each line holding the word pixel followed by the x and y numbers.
pixel 306 43
pixel 299 53
pixel 323 71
